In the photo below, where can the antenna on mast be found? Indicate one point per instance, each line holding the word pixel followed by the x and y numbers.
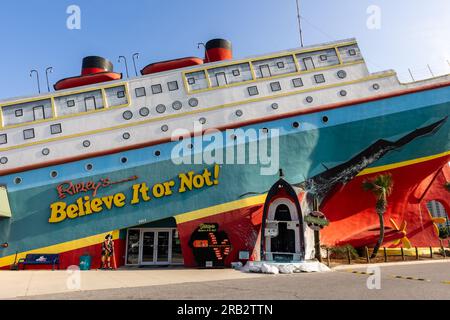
pixel 299 23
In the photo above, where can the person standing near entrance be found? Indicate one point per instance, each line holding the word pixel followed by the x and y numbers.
pixel 107 252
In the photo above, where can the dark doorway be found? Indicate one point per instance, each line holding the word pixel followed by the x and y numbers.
pixel 285 241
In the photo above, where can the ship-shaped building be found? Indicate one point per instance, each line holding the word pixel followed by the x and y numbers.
pixel 147 159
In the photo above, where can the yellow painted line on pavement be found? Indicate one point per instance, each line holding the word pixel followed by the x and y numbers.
pixel 411 278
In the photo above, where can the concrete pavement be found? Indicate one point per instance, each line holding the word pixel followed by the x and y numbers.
pixel 398 281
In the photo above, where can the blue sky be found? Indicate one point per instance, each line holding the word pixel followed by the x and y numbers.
pixel 34 35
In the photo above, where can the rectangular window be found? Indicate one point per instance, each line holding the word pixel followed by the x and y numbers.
pixel 38 113
pixel 265 71
pixel 120 94
pixel 236 73
pixel 140 92
pixel 28 134
pixel 191 81
pixel 55 128
pixel 275 86
pixel 19 112
pixel 227 75
pixel 297 82
pixel 323 57
pixel 319 78
pixel 352 52
pixel 156 88
pixel 172 85
pixel 70 103
pixel 280 65
pixel 253 91
pixel 3 139
pixel 90 104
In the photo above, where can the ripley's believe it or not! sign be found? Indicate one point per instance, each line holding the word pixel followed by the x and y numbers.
pixel 86 205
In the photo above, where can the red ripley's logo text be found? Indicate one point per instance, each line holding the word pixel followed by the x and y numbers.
pixel 69 188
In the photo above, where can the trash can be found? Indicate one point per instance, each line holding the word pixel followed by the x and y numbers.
pixel 85 262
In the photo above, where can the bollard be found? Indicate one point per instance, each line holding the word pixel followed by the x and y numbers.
pixel 431 253
pixel 385 255
pixel 417 253
pixel 328 257
pixel 443 249
pixel 367 255
pixel 403 254
pixel 349 257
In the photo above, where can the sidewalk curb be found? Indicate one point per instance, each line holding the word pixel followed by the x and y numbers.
pixel 387 264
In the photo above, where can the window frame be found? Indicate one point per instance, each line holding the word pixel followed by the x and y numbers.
pixel 282 64
pixel 29 130
pixel 322 77
pixel 236 72
pixel 143 90
pixel 173 82
pixel 122 94
pixel 301 83
pixel 18 110
pixel 275 83
pixel 70 106
pixel 5 136
pixel 158 86
pixel 254 94
pixel 191 81
pixel 58 125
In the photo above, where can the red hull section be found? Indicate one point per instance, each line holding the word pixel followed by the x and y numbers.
pixel 414 186
pixel 171 65
pixel 87 80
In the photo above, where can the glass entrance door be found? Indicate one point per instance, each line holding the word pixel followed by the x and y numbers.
pixel 153 247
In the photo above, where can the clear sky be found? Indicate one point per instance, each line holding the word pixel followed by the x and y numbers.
pixel 412 33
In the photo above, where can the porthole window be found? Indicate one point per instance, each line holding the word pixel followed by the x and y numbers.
pixel 177 105
pixel 86 143
pixel 275 86
pixel 202 120
pixel 319 78
pixel 28 134
pixel 140 92
pixel 342 93
pixel 126 136
pixel 341 74
pixel 3 160
pixel 3 138
pixel 325 119
pixel 89 167
pixel 297 82
pixel 274 106
pixel 156 88
pixel 157 153
pixel 239 113
pixel 236 73
pixel 309 99
pixel 144 112
pixel 165 128
pixel 18 180
pixel 124 160
pixel 172 85
pixel 253 91
pixel 45 151
pixel 127 115
pixel 55 128
pixel 53 174
pixel 193 102
pixel 376 86
pixel 160 108
pixel 296 124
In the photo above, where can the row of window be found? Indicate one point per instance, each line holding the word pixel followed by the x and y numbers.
pixel 156 89
pixel 30 134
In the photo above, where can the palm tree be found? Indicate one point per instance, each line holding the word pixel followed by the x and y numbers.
pixel 381 187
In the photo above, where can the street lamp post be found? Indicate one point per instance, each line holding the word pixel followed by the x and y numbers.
pixel 47 71
pixel 126 64
pixel 135 57
pixel 37 77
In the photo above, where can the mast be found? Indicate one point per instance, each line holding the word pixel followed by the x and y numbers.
pixel 299 23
